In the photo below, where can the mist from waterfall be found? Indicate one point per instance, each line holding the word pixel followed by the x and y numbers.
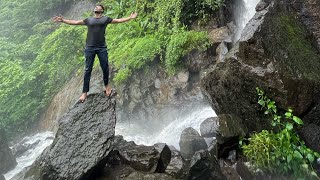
pixel 170 134
pixel 245 10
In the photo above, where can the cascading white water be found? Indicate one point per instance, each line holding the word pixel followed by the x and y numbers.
pixel 27 158
pixel 170 134
pixel 245 10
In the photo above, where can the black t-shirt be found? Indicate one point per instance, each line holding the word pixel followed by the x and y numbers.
pixel 96 31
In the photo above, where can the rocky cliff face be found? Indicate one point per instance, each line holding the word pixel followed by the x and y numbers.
pixel 277 52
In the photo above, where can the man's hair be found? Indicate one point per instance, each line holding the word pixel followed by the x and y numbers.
pixel 101 7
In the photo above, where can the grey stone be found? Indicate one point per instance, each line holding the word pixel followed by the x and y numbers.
pixel 82 142
pixel 230 126
pixel 204 166
pixel 210 141
pixel 143 158
pixel 221 52
pixel 190 142
pixel 311 133
pixel 219 34
pixel 157 83
pixel 183 77
pixel 209 127
pixel 176 165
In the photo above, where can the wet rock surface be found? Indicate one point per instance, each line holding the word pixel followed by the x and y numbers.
pixel 142 158
pixel 190 142
pixel 204 166
pixel 131 161
pixel 209 127
pixel 277 53
pixel 176 166
pixel 7 160
pixel 82 142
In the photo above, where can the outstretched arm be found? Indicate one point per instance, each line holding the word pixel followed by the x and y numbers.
pixel 121 20
pixel 67 21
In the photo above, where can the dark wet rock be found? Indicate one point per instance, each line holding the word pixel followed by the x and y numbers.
pixel 221 52
pixel 243 171
pixel 7 160
pixel 219 35
pixel 210 141
pixel 229 170
pixel 176 165
pixel 262 5
pixel 142 158
pixel 148 176
pixel 2 177
pixel 230 126
pixel 232 156
pixel 277 53
pixel 82 142
pixel 87 130
pixel 190 142
pixel 311 132
pixel 213 150
pixel 209 127
pixel 165 157
pixel 204 166
pixel 197 60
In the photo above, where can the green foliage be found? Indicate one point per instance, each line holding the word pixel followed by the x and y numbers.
pixel 159 31
pixel 180 44
pixel 199 10
pixel 282 152
pixel 134 54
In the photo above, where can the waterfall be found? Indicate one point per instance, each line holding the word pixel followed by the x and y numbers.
pixel 170 134
pixel 244 11
pixel 42 140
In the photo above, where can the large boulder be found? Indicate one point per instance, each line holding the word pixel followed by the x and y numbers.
pixel 204 166
pixel 277 53
pixel 177 164
pixel 209 127
pixel 82 143
pixel 190 142
pixel 142 158
pixel 5 154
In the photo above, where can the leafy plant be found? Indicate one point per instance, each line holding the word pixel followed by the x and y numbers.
pixel 280 152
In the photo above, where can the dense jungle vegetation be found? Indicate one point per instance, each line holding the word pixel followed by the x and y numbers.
pixel 38 56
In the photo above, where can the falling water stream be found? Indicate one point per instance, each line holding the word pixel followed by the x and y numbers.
pixel 170 134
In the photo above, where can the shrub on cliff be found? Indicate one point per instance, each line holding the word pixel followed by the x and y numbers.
pixel 281 152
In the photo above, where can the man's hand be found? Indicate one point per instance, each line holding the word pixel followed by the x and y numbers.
pixel 57 19
pixel 67 21
pixel 133 15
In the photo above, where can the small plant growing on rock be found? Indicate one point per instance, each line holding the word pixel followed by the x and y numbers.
pixel 282 152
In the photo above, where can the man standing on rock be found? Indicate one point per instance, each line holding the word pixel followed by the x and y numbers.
pixel 95 44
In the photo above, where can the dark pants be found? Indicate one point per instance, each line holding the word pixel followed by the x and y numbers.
pixel 90 53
